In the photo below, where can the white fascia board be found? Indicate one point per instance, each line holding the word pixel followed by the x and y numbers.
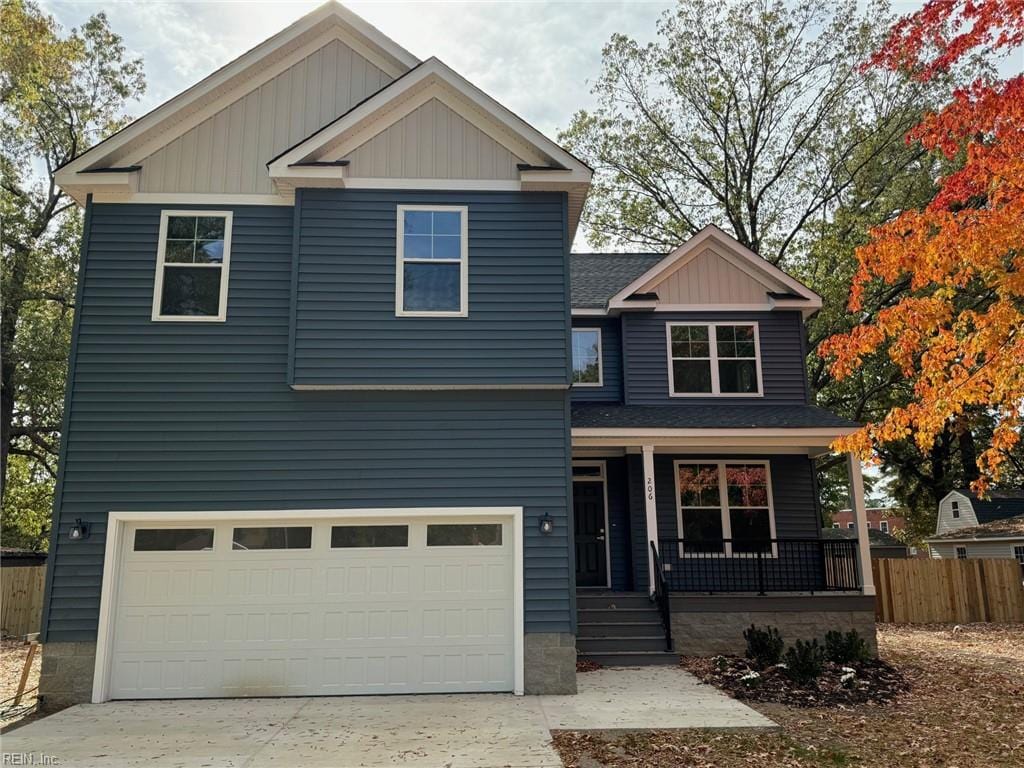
pixel 430 73
pixel 750 262
pixel 402 61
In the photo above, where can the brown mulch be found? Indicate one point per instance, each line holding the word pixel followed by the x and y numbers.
pixel 964 709
pixel 583 665
pixel 872 681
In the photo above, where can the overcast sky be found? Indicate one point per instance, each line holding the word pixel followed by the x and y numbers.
pixel 534 57
pixel 537 58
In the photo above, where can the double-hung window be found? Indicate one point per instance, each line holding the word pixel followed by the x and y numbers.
pixel 1018 553
pixel 433 261
pixel 720 359
pixel 192 264
pixel 586 357
pixel 724 506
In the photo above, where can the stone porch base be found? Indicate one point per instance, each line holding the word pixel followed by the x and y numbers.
pixel 707 625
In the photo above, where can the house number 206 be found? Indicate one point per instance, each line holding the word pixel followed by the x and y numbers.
pixel 650 489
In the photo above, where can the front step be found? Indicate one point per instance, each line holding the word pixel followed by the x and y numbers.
pixel 632 658
pixel 620 629
pixel 591 645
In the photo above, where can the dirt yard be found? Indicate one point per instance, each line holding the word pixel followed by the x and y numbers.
pixel 12 660
pixel 965 709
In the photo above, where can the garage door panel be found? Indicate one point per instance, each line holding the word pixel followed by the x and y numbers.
pixel 227 622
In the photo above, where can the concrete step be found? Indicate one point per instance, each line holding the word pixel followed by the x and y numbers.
pixel 613 600
pixel 587 645
pixel 620 629
pixel 616 615
pixel 631 658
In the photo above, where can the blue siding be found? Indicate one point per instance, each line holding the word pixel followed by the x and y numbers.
pixel 199 416
pixel 646 353
pixel 611 361
pixel 346 331
pixel 793 499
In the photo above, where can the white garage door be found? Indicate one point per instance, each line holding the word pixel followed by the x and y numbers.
pixel 313 607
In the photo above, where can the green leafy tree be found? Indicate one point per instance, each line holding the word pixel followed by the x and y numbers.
pixel 59 94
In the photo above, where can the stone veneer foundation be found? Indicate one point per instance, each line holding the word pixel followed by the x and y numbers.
pixel 550 663
pixel 65 678
pixel 714 624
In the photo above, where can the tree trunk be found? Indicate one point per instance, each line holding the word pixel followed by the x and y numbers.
pixel 8 374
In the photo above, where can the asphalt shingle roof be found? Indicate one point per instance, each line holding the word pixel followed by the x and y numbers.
pixel 999 506
pixel 703 417
pixel 876 538
pixel 996 529
pixel 596 277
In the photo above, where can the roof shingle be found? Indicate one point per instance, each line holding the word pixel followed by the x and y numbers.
pixel 731 416
pixel 596 277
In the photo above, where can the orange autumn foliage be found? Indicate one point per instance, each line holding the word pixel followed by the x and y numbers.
pixel 971 236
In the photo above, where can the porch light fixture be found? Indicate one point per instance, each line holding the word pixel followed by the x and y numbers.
pixel 79 530
pixel 547 524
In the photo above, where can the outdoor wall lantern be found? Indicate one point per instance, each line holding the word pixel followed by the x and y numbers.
pixel 79 530
pixel 547 524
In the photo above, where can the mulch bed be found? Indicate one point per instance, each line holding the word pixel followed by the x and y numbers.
pixel 872 682
pixel 582 665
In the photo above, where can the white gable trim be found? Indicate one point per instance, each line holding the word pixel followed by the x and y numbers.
pixel 336 23
pixel 432 79
pixel 737 255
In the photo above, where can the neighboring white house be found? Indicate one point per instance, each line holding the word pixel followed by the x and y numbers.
pixel 968 527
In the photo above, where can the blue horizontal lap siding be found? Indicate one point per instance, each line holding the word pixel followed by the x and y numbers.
pixel 782 358
pixel 347 332
pixel 611 362
pixel 199 416
pixel 793 500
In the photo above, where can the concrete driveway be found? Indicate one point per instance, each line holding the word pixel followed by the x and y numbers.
pixel 456 731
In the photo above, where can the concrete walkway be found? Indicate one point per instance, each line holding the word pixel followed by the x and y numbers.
pixel 456 731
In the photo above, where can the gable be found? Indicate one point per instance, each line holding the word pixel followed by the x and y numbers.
pixel 945 521
pixel 710 278
pixel 433 142
pixel 228 151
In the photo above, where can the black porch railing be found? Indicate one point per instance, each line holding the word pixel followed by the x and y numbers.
pixel 713 566
pixel 661 596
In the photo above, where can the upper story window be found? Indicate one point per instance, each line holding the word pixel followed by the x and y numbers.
pixel 955 506
pixel 884 526
pixel 721 359
pixel 192 266
pixel 586 357
pixel 433 261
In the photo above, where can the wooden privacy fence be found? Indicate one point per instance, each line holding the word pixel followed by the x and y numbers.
pixel 948 591
pixel 21 593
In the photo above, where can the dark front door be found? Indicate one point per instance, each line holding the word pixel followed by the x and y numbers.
pixel 591 552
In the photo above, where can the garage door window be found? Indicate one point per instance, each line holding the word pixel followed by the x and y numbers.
pixel 464 535
pixel 291 537
pixel 359 536
pixel 173 539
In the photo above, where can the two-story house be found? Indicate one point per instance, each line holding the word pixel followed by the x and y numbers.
pixel 967 527
pixel 344 415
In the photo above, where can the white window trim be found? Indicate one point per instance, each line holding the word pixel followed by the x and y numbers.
pixel 118 523
pixel 463 262
pixel 225 268
pixel 1013 552
pixel 954 510
pixel 956 551
pixel 601 477
pixel 724 506
pixel 883 526
pixel 713 342
pixel 600 360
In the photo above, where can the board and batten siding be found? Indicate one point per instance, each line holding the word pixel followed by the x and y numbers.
pixel 199 416
pixel 708 279
pixel 781 336
pixel 611 361
pixel 432 142
pixel 228 152
pixel 792 488
pixel 346 329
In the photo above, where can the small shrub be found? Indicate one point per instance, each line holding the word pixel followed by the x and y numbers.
pixel 804 661
pixel 846 648
pixel 751 679
pixel 764 646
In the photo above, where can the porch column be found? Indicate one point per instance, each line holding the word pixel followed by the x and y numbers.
pixel 860 515
pixel 651 511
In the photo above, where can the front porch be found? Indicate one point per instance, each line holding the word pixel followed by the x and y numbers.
pixel 717 534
